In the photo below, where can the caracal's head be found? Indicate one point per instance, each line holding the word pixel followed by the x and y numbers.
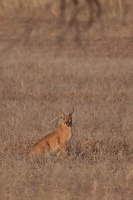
pixel 66 120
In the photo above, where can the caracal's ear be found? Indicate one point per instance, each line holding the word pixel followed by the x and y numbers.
pixel 62 115
pixel 70 115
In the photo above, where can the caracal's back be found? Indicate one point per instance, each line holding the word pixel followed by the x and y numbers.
pixel 56 140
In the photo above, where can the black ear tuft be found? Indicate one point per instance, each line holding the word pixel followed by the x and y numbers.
pixel 70 115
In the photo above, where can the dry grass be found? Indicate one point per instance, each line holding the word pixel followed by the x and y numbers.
pixel 38 75
pixel 101 153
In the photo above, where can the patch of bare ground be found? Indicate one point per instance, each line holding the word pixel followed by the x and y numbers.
pixel 37 75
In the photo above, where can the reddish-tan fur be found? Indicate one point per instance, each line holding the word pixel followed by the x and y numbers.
pixel 56 140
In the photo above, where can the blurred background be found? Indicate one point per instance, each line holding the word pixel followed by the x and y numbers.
pixel 78 21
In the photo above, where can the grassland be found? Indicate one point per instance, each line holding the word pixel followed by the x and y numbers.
pixel 38 75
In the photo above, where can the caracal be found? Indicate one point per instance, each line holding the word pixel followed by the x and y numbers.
pixel 55 141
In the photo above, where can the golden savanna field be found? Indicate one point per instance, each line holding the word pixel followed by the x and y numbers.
pixel 57 55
